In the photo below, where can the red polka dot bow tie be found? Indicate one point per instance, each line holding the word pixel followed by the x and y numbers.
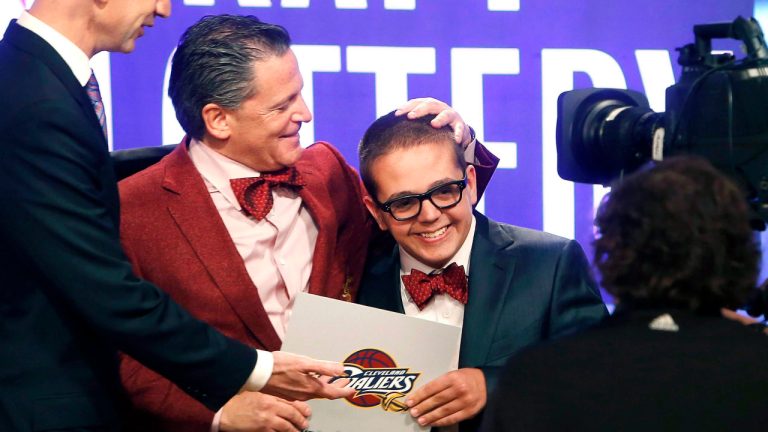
pixel 421 286
pixel 255 193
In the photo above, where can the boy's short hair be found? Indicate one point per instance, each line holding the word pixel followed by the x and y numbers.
pixel 391 132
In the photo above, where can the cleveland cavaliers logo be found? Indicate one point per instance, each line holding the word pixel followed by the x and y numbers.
pixel 377 380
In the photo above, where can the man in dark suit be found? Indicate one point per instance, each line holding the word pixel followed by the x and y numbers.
pixel 188 224
pixel 523 286
pixel 69 300
pixel 674 247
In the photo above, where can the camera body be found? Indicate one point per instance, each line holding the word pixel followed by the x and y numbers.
pixel 718 109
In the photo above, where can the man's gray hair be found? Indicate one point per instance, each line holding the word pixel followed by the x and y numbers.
pixel 214 63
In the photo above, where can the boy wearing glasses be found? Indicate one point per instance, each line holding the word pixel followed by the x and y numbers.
pixel 507 287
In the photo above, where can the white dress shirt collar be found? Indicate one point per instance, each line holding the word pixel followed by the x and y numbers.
pixel 408 262
pixel 73 56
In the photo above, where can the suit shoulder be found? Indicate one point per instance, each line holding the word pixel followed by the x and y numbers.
pixel 138 185
pixel 531 236
pixel 323 149
pixel 23 70
pixel 322 155
pixel 27 77
pixel 324 159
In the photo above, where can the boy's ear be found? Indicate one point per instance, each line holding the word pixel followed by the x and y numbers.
pixel 373 209
pixel 216 121
pixel 472 184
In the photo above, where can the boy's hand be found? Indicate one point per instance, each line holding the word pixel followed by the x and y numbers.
pixel 449 398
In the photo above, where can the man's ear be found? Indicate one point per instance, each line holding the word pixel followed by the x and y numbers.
pixel 375 212
pixel 216 121
pixel 472 184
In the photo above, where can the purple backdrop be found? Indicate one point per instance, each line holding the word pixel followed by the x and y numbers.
pixel 537 49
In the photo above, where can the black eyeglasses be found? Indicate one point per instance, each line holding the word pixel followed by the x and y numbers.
pixel 442 196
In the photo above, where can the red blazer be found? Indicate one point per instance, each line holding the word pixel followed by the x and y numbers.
pixel 175 238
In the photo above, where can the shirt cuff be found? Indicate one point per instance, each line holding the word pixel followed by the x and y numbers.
pixel 216 422
pixel 261 372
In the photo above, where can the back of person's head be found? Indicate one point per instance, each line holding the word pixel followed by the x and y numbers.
pixel 677 235
pixel 391 132
pixel 214 63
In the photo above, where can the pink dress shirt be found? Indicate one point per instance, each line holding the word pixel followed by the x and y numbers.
pixel 277 251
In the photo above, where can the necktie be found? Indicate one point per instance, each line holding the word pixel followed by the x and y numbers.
pixel 421 286
pixel 255 193
pixel 92 88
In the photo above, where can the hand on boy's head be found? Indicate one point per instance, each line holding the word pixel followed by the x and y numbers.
pixel 445 116
pixel 450 398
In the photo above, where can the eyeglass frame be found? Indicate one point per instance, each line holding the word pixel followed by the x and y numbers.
pixel 386 206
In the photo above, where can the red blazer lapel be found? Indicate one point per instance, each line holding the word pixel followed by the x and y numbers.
pixel 328 276
pixel 193 211
pixel 333 197
pixel 316 198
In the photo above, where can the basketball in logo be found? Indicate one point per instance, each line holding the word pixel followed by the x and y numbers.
pixel 377 380
pixel 369 358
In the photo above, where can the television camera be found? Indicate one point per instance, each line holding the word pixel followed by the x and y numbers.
pixel 718 109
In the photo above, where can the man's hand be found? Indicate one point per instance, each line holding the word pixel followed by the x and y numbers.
pixel 296 377
pixel 257 412
pixel 449 398
pixel 446 115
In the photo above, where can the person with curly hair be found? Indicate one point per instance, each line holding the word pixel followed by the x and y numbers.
pixel 674 247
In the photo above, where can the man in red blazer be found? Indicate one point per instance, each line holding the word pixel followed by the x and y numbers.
pixel 195 223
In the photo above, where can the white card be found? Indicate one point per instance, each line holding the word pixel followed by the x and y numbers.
pixel 388 355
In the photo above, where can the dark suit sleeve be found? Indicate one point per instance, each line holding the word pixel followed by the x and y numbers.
pixel 576 302
pixel 57 191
